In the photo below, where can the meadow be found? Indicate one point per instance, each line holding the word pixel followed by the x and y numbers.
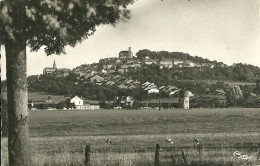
pixel 59 137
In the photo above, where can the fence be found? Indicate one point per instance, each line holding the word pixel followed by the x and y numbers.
pixel 88 107
pixel 170 157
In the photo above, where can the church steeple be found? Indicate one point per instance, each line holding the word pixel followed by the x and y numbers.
pixel 54 65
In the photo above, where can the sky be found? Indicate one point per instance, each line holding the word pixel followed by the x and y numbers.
pixel 224 30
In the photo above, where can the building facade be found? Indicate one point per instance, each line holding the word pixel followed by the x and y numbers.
pixel 126 54
pixel 49 70
pixel 77 101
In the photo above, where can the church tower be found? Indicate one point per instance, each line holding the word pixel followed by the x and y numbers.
pixel 130 53
pixel 54 65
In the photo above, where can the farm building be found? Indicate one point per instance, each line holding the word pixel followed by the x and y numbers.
pixel 88 107
pixel 77 101
pixel 89 104
pixel 179 99
pixel 166 103
pixel 210 100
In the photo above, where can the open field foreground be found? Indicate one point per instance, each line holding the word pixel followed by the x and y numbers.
pixel 60 137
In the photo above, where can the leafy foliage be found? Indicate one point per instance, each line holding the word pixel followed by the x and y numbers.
pixel 152 73
pixel 142 54
pixel 70 86
pixel 205 93
pixel 257 88
pixel 56 24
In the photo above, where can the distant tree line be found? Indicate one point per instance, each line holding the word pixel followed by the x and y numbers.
pixel 70 86
pixel 142 54
pixel 153 73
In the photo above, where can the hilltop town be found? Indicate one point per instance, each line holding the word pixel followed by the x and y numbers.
pixel 126 62
pixel 149 79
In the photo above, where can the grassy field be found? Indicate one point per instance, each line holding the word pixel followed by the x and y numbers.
pixel 40 96
pixel 143 122
pixel 59 137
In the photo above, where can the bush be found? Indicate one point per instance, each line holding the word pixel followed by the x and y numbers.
pixel 71 105
pixel 137 104
pixel 106 105
pixel 44 106
pixel 61 105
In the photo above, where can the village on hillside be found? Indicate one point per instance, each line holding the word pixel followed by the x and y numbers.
pixel 126 61
pixel 130 82
pixel 113 72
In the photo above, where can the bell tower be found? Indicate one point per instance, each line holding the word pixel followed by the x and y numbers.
pixel 54 65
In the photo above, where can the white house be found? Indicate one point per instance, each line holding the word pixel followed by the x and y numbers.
pixel 166 63
pixel 153 91
pixel 177 62
pixel 76 100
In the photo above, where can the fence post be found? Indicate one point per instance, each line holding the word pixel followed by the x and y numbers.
pixel 199 147
pixel 87 155
pixel 173 160
pixel 258 155
pixel 184 158
pixel 156 162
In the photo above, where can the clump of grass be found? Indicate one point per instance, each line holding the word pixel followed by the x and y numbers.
pixel 211 163
pixel 109 158
pixel 134 138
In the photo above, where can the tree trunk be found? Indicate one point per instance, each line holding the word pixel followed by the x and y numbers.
pixel 18 129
